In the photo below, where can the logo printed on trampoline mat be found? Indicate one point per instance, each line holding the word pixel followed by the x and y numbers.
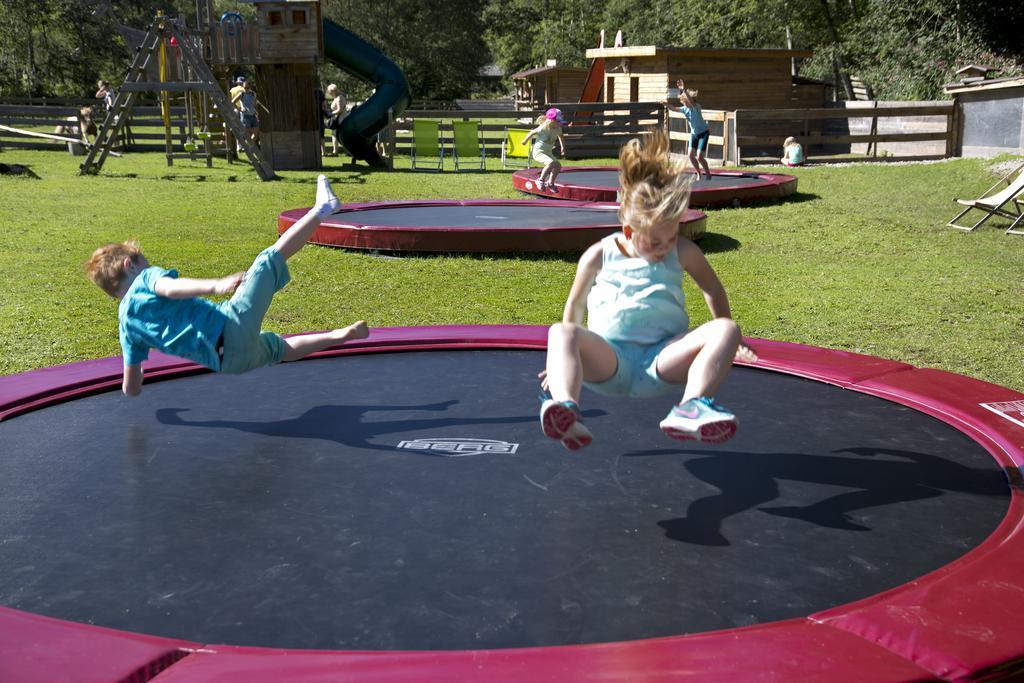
pixel 458 447
pixel 1009 410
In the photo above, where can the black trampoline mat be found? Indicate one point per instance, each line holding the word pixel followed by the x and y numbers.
pixel 508 216
pixel 278 509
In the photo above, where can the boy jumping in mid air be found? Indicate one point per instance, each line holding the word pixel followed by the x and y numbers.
pixel 159 310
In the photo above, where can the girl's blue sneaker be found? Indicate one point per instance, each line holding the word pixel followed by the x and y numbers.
pixel 561 420
pixel 699 419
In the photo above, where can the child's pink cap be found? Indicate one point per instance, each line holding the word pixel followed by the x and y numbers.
pixel 555 115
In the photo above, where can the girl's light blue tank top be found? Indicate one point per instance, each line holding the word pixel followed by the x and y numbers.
pixel 636 301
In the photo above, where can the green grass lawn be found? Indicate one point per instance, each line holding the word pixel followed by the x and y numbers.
pixel 859 259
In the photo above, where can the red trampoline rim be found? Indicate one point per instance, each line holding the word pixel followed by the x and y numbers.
pixel 344 229
pixel 959 622
pixel 771 186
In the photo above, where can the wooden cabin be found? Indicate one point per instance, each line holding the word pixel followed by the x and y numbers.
pixel 544 85
pixel 289 36
pixel 727 79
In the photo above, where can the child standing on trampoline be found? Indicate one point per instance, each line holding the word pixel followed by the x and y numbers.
pixel 547 132
pixel 636 341
pixel 699 129
pixel 159 310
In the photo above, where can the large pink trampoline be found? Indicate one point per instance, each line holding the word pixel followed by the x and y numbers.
pixel 477 225
pixel 601 184
pixel 389 511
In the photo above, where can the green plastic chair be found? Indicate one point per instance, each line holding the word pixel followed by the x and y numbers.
pixel 468 144
pixel 426 144
pixel 515 152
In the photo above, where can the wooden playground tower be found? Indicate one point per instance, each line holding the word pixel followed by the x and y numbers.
pixel 284 45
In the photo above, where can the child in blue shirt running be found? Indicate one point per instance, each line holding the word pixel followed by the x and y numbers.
pixel 699 129
pixel 162 311
pixel 636 341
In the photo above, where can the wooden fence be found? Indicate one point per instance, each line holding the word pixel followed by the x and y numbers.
pixel 886 131
pixel 722 125
pixel 595 130
pixel 145 129
pixel 889 131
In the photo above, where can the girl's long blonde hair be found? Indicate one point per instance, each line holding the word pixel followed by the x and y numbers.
pixel 653 189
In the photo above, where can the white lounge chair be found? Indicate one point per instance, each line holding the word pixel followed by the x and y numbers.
pixel 1007 202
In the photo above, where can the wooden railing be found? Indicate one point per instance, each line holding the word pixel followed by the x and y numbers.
pixel 595 130
pixel 722 125
pixel 756 136
pixel 830 132
pixel 146 126
pixel 915 131
pixel 230 44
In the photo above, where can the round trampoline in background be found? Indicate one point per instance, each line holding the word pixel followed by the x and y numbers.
pixel 478 225
pixel 391 510
pixel 601 184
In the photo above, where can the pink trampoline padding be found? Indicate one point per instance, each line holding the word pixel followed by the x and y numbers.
pixel 35 649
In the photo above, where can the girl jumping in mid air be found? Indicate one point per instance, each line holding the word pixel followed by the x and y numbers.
pixel 636 341
pixel 699 130
pixel 548 130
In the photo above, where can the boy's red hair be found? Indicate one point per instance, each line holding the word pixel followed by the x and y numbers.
pixel 106 265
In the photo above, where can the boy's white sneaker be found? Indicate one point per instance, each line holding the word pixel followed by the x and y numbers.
pixel 561 420
pixel 699 419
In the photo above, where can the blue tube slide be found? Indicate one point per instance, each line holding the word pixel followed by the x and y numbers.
pixel 354 55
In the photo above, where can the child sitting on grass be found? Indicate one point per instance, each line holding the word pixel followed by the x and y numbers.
pixel 637 341
pixel 792 152
pixel 161 311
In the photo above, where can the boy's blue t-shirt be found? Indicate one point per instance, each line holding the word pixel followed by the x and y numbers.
pixel 189 328
pixel 696 119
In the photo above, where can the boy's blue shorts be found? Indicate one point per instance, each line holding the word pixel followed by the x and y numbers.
pixel 637 371
pixel 246 347
pixel 699 141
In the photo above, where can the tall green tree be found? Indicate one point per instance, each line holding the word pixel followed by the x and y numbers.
pixel 525 33
pixel 905 50
pixel 439 46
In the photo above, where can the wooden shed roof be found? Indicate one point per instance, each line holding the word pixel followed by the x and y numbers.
pixel 536 71
pixel 988 84
pixel 654 50
pixel 974 68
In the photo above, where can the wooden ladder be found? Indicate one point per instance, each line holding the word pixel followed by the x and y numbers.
pixel 161 29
